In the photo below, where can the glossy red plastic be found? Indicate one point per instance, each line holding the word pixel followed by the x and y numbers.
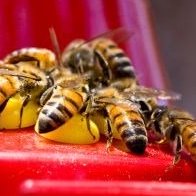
pixel 31 165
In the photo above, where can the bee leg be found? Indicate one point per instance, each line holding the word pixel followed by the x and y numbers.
pixel 177 148
pixel 109 134
pixel 150 123
pixel 46 95
pixel 24 103
pixel 109 131
pixel 86 114
pixel 88 125
pixel 107 74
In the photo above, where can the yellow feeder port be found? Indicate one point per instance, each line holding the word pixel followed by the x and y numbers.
pixel 10 116
pixel 74 131
pixel 101 123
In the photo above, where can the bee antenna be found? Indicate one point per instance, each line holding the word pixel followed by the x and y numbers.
pixel 55 44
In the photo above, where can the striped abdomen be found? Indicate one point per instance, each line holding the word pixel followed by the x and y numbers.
pixel 45 58
pixel 119 63
pixel 189 136
pixel 130 126
pixel 61 106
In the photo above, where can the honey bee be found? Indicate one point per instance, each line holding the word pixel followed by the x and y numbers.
pixel 24 79
pixel 123 116
pixel 149 98
pixel 101 57
pixel 26 72
pixel 177 126
pixel 44 58
pixel 65 100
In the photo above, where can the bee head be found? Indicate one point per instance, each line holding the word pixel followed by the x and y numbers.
pixel 83 59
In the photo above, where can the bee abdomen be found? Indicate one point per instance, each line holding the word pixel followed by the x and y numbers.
pixel 120 64
pixel 134 135
pixel 46 123
pixel 60 107
pixel 57 116
pixel 73 100
pixel 131 128
pixel 135 139
pixel 52 116
pixel 123 68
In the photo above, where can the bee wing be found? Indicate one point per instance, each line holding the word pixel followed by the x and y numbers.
pixel 146 92
pixel 19 74
pixel 124 103
pixel 118 35
pixel 73 81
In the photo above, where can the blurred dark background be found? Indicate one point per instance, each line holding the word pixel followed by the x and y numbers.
pixel 175 23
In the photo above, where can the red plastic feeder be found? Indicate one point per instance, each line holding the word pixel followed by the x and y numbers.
pixel 31 165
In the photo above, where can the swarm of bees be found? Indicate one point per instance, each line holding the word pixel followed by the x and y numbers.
pixel 96 80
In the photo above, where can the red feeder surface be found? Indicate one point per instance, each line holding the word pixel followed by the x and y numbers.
pixel 31 165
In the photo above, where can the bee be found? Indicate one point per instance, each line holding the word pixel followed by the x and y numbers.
pixel 26 72
pixel 101 57
pixel 65 99
pixel 149 98
pixel 28 65
pixel 23 79
pixel 177 126
pixel 44 58
pixel 123 116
